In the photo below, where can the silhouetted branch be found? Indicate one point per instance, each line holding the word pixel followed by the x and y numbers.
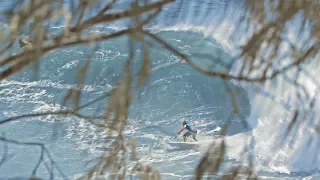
pixel 39 162
pixel 50 170
pixel 66 113
pixel 120 15
pixel 43 151
pixel 197 67
pixel 68 41
pixel 5 154
pixel 54 163
pixel 107 7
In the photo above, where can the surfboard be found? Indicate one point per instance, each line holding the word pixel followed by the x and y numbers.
pixel 178 143
pixel 190 141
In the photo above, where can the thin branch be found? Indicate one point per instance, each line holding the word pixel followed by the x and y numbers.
pixel 5 154
pixel 39 162
pixel 21 143
pixel 64 112
pixel 24 58
pixel 82 9
pixel 151 16
pixel 107 7
pixel 93 101
pixel 54 163
pixel 68 41
pixel 50 170
pixel 186 59
pixel 228 76
pixel 120 15
pixel 235 103
pixel 35 144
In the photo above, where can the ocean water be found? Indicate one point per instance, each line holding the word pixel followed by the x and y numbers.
pixel 174 92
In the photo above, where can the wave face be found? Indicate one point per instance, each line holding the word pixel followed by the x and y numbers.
pixel 174 92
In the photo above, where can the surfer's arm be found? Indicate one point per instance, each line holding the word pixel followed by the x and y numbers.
pixel 181 130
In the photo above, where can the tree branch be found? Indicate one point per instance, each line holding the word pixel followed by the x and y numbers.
pixel 65 112
pixel 24 59
pixel 228 76
pixel 44 150
pixel 5 154
pixel 39 162
pixel 120 15
pixel 107 7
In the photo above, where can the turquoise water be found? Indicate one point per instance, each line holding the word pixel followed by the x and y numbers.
pixel 175 92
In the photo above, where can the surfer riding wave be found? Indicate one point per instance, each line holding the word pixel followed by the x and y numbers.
pixel 191 131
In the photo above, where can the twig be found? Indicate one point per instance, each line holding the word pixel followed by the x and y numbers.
pixel 120 15
pixel 65 112
pixel 55 164
pixel 67 41
pixel 53 113
pixel 21 143
pixel 42 153
pixel 5 154
pixel 107 7
pixel 39 162
pixel 235 103
pixel 228 76
pixel 50 170
pixel 93 101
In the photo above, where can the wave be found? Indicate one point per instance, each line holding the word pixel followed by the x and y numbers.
pixel 176 92
pixel 269 120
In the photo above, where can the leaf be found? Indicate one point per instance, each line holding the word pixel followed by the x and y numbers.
pixel 145 70
pixel 117 108
pixel 293 121
pixel 211 161
pixel 233 98
pixel 133 149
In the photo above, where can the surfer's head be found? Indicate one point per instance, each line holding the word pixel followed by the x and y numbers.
pixel 184 123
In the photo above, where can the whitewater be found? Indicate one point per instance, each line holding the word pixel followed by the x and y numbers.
pixel 174 92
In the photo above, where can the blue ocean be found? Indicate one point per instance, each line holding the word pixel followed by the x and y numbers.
pixel 174 92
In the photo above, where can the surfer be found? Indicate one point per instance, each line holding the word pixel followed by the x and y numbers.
pixel 189 132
